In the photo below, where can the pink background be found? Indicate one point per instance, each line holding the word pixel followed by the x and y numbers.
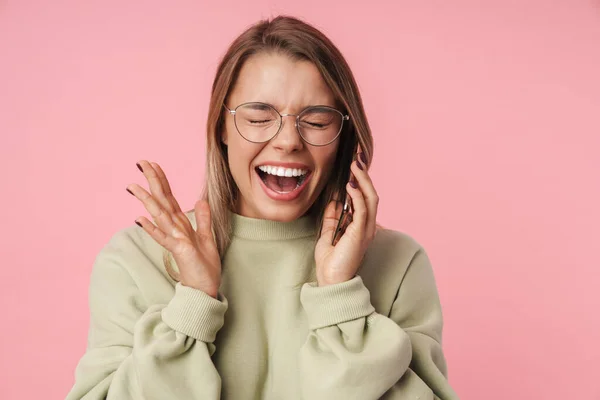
pixel 486 118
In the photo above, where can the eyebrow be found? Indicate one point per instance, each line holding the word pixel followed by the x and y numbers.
pixel 263 105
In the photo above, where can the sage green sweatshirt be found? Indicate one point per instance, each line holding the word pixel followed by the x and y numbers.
pixel 272 333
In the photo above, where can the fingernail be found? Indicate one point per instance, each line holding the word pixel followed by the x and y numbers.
pixel 130 192
pixel 139 167
pixel 359 165
pixel 138 224
pixel 353 183
pixel 363 157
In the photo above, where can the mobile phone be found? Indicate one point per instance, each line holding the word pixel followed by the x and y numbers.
pixel 346 216
pixel 344 221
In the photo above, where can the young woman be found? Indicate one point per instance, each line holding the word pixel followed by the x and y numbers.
pixel 247 296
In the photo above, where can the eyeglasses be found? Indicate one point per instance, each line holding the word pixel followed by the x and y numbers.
pixel 260 122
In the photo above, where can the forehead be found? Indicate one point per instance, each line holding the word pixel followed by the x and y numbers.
pixel 278 80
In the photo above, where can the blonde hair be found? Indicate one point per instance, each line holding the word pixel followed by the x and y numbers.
pixel 300 41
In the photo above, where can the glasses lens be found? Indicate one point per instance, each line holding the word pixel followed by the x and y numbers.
pixel 320 125
pixel 257 122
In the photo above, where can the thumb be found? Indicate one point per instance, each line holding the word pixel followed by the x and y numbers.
pixel 330 219
pixel 203 222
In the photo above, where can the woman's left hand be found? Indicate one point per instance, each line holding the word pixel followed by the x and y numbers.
pixel 339 263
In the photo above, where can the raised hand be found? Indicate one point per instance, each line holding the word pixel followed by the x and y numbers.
pixel 195 252
pixel 339 263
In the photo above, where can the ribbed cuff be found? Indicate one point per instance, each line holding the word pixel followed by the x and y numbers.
pixel 195 313
pixel 334 304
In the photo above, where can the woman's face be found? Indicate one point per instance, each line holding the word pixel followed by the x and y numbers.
pixel 289 86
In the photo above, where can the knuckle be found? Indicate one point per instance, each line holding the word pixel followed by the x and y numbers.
pixel 177 234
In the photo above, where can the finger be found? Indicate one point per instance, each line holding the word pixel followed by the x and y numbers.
pixel 360 214
pixel 156 186
pixel 163 219
pixel 178 215
pixel 203 221
pixel 166 187
pixel 369 193
pixel 155 232
pixel 161 191
pixel 362 156
pixel 330 219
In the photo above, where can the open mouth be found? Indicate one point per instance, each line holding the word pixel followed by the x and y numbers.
pixel 282 180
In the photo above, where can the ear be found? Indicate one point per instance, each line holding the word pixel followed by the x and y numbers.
pixel 224 138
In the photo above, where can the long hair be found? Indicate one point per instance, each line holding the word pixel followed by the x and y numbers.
pixel 298 40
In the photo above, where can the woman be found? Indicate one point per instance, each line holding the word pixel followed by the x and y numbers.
pixel 246 297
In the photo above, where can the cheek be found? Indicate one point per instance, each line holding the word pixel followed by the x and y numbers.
pixel 240 154
pixel 325 159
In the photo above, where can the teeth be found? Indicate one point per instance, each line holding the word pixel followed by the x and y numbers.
pixel 280 171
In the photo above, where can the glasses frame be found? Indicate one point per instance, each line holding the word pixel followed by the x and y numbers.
pixel 233 112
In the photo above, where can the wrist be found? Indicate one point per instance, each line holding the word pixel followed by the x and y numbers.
pixel 208 289
pixel 321 282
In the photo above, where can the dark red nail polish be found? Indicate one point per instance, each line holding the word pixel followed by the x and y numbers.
pixel 138 224
pixel 130 192
pixel 359 165
pixel 139 167
pixel 353 183
pixel 363 157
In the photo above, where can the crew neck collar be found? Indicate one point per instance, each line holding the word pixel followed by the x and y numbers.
pixel 264 229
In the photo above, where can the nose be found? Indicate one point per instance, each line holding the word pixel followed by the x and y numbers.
pixel 288 139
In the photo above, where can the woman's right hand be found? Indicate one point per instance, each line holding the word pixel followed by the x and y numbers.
pixel 195 252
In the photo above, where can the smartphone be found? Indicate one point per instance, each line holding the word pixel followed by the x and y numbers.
pixel 346 216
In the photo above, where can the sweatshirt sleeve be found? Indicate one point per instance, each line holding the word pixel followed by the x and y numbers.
pixel 353 352
pixel 159 352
